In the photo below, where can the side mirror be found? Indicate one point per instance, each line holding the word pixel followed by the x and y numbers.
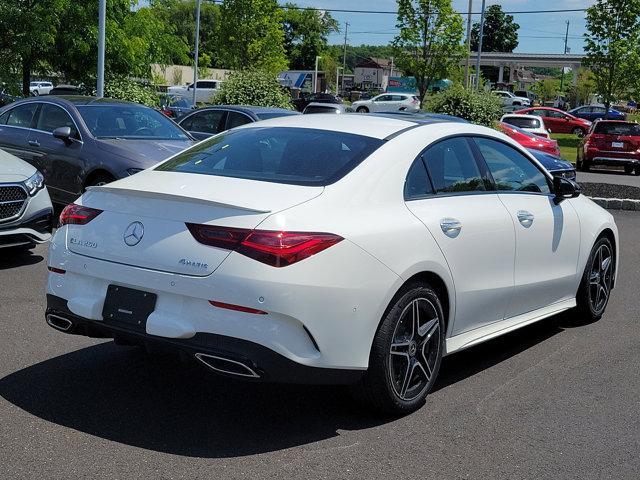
pixel 564 188
pixel 63 133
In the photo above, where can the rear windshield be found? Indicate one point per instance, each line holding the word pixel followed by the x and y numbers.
pixel 298 156
pixel 523 122
pixel 319 109
pixel 623 129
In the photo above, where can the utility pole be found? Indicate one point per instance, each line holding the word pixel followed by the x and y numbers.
pixel 315 75
pixel 195 63
pixel 480 45
pixel 466 65
pixel 338 68
pixel 344 54
pixel 102 14
pixel 566 37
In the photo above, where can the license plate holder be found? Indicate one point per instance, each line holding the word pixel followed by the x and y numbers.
pixel 617 144
pixel 128 308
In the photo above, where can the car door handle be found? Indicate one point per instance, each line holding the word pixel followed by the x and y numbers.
pixel 525 218
pixel 450 227
pixel 34 143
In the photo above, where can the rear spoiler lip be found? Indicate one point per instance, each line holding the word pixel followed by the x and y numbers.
pixel 172 196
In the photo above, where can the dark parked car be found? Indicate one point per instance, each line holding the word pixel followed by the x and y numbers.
pixel 206 122
pixel 594 112
pixel 307 98
pixel 176 106
pixel 555 165
pixel 77 142
pixel 65 90
pixel 613 143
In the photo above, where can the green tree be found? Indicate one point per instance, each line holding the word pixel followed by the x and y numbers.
pixel 253 35
pixel 546 89
pixel 429 43
pixel 474 106
pixel 252 87
pixel 305 35
pixel 613 33
pixel 28 33
pixel 500 33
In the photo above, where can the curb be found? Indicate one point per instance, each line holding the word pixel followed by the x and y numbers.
pixel 618 203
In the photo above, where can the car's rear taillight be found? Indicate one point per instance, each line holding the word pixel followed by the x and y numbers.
pixel 77 215
pixel 275 248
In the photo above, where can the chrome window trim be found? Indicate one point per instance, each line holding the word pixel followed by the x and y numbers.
pixel 24 203
pixel 44 131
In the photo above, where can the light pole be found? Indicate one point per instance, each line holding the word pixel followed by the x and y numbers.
pixel 195 63
pixel 338 76
pixel 102 14
pixel 315 75
pixel 344 53
pixel 466 64
pixel 480 45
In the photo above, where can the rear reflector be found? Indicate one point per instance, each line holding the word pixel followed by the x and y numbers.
pixel 77 215
pixel 237 308
pixel 274 248
pixel 57 270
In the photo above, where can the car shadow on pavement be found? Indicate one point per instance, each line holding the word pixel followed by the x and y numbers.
pixel 11 258
pixel 162 404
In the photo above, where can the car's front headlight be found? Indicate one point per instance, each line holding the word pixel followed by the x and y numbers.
pixel 34 183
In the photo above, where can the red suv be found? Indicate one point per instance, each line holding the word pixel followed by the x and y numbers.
pixel 611 142
pixel 558 121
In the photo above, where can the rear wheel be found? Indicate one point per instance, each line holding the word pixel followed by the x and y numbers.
pixel 362 110
pixel 99 180
pixel 578 131
pixel 597 281
pixel 629 170
pixel 406 353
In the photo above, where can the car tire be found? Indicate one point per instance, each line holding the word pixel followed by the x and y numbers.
pixel 586 166
pixel 637 171
pixel 597 281
pixel 629 170
pixel 362 110
pixel 98 180
pixel 406 353
pixel 578 131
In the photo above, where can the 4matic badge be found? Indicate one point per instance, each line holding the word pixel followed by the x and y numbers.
pixel 193 264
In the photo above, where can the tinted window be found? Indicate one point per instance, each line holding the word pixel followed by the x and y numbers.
pixel 4 117
pixel 540 113
pixel 511 170
pixel 554 114
pixel 452 167
pixel 319 109
pixel 300 156
pixel 208 121
pixel 129 121
pixel 398 98
pixel 523 122
pixel 52 117
pixel 268 115
pixel 617 128
pixel 384 98
pixel 236 119
pixel 417 184
pixel 22 115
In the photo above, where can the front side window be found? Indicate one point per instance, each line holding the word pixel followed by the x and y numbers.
pixel 129 121
pixel 452 167
pixel 52 117
pixel 511 170
pixel 298 156
pixel 22 115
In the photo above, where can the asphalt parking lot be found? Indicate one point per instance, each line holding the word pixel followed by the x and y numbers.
pixel 554 400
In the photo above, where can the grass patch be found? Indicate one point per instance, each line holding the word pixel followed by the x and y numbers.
pixel 568 145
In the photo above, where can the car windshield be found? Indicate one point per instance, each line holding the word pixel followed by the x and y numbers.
pixel 621 129
pixel 299 156
pixel 129 121
pixel 268 115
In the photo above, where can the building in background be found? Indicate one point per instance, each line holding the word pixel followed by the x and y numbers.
pixel 373 73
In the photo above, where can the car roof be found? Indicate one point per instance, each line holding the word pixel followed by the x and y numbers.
pixel 420 117
pixel 250 109
pixel 77 100
pixel 520 115
pixel 326 105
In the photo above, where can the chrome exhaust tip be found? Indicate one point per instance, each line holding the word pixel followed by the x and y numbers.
pixel 226 365
pixel 59 323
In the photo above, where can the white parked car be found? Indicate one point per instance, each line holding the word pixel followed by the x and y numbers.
pixel 388 102
pixel 508 99
pixel 40 88
pixel 332 249
pixel 25 208
pixel 204 92
pixel 531 123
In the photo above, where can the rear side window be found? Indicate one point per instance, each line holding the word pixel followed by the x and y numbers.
pixel 236 119
pixel 617 128
pixel 417 184
pixel 523 122
pixel 22 115
pixel 511 170
pixel 452 167
pixel 298 156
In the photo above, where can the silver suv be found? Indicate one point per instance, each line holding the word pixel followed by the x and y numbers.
pixel 25 207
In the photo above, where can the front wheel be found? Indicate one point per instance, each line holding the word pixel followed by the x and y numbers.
pixel 362 110
pixel 406 354
pixel 597 281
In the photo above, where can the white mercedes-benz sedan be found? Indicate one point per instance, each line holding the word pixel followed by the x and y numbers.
pixel 332 249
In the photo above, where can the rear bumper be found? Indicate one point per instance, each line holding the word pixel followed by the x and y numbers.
pixel 224 355
pixel 613 158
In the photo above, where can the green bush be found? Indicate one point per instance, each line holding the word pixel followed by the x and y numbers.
pixel 252 87
pixel 123 88
pixel 482 108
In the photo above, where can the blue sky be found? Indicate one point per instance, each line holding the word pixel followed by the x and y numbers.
pixel 539 33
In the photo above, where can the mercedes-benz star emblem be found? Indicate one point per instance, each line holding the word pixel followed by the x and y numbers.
pixel 133 233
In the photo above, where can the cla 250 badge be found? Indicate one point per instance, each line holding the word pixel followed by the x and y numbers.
pixel 193 264
pixel 83 243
